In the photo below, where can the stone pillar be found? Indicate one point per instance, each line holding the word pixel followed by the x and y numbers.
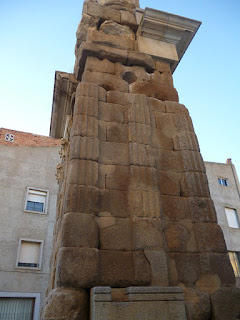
pixel 134 207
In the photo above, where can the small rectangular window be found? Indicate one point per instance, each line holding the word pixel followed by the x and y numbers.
pixel 29 253
pixel 232 218
pixel 36 200
pixel 223 182
pixel 235 262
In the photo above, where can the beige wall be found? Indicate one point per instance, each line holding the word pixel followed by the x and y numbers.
pixel 22 167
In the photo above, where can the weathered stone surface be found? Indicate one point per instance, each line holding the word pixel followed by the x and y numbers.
pixel 194 184
pixel 87 90
pixel 120 4
pixel 82 199
pixel 164 78
pixel 67 304
pixel 84 148
pixel 133 73
pixel 118 178
pixel 86 106
pixel 83 172
pixel 163 66
pixel 154 90
pixel 175 208
pixel 144 204
pixel 142 269
pixel 114 153
pixel 141 155
pixel 143 178
pixel 79 230
pixel 96 10
pixel 100 37
pixel 180 237
pixel 169 182
pixel 161 141
pixel 173 122
pixel 220 264
pixel 77 268
pixel 197 304
pixel 112 28
pixel 142 60
pixel 116 268
pixel 147 234
pixel 128 18
pixel 116 97
pixel 185 141
pixel 156 105
pixel 85 126
pixel 115 233
pixel 192 161
pixel 115 202
pixel 105 80
pixel 159 268
pixel 95 65
pixel 209 237
pixel 168 160
pixel 226 304
pixel 174 107
pixel 117 133
pixel 110 112
pixel 86 22
pixel 202 210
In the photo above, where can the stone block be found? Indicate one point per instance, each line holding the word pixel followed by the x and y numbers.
pixel 174 107
pixel 82 199
pixel 114 153
pixel 77 267
pixel 226 304
pixel 116 268
pixel 197 304
pixel 139 133
pixel 95 65
pixel 116 29
pixel 86 22
pixel 161 141
pixel 65 304
pixel 194 184
pixel 115 202
pixel 83 172
pixel 84 125
pixel 169 182
pixel 110 112
pixel 202 210
pixel 141 155
pixel 115 233
pixel 164 78
pixel 96 10
pixel 106 80
pixel 159 268
pixel 87 89
pixel 168 160
pixel 139 111
pixel 102 94
pixel 85 105
pixel 110 40
pixel 144 204
pixel 220 264
pixel 84 148
pixel 185 141
pixel 163 66
pixel 79 230
pixel 129 19
pixel 117 132
pixel 156 105
pixel 154 90
pixel 143 178
pixel 102 131
pixel 116 97
pixel 140 59
pixel 179 237
pixel 209 237
pixel 192 161
pixel 142 269
pixel 120 5
pixel 118 179
pixel 147 234
pixel 131 74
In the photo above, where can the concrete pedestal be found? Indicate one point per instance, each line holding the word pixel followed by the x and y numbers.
pixel 137 303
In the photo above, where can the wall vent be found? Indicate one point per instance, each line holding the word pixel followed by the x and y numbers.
pixel 9 137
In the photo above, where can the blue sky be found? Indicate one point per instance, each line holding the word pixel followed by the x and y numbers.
pixel 38 37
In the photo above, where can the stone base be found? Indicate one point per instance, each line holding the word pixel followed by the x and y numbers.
pixel 137 303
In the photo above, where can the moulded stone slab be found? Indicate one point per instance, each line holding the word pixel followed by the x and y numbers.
pixel 154 90
pixel 63 303
pixel 226 304
pixel 84 148
pixel 106 80
pixel 114 201
pixel 93 64
pixel 147 233
pixel 81 199
pixel 83 172
pixel 159 267
pixel 194 184
pixel 116 268
pixel 77 267
pixel 116 235
pixel 79 230
pixel 114 153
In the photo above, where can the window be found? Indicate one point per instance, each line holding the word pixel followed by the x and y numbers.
pixel 29 253
pixel 36 200
pixel 9 137
pixel 232 218
pixel 223 182
pixel 235 261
